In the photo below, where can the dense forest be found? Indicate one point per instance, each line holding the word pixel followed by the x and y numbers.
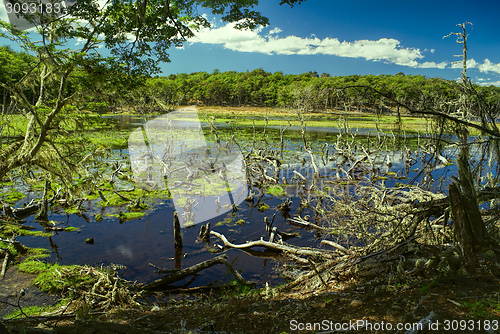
pixel 307 91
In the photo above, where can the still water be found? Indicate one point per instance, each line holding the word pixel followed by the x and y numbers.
pixel 149 239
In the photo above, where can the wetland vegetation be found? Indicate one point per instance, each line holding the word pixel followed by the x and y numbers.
pixel 371 197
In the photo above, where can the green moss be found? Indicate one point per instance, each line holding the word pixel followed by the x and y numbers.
pixel 72 210
pixel 7 184
pixel 39 234
pixel 113 200
pixel 36 310
pixel 33 267
pixel 36 254
pixel 71 229
pixel 124 216
pixel 276 190
pixel 98 218
pixel 240 222
pixel 92 196
pixel 263 207
pixel 12 196
pixel 227 221
pixel 55 278
pixel 131 215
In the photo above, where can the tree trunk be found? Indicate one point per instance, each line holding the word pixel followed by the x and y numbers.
pixel 470 231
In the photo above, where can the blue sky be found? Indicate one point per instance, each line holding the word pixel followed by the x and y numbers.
pixel 351 37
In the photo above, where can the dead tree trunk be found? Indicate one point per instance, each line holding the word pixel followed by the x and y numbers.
pixel 470 231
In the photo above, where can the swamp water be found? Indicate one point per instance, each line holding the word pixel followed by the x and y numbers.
pixel 149 239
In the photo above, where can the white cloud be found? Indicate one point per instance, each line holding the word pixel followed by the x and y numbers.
pixel 488 66
pixel 471 63
pixel 485 67
pixel 384 49
pixel 483 82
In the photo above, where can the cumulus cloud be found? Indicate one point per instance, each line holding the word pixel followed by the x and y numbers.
pixel 483 82
pixel 384 49
pixel 471 63
pixel 488 66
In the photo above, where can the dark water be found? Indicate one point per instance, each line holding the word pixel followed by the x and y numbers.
pixel 150 239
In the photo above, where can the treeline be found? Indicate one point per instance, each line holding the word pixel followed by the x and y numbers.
pixel 308 91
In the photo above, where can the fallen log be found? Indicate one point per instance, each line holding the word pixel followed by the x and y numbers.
pixel 27 210
pixel 280 247
pixel 183 273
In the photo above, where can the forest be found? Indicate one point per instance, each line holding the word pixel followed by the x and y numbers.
pixel 134 202
pixel 308 91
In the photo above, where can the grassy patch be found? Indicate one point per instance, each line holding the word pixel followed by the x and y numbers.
pixel 54 278
pixel 33 266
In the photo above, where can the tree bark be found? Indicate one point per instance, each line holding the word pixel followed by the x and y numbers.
pixel 470 230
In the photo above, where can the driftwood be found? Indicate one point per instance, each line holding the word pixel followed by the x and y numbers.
pixel 279 247
pixel 318 274
pixel 4 265
pixel 310 274
pixel 183 273
pixel 300 175
pixel 300 221
pixel 336 245
pixel 28 209
pixel 204 234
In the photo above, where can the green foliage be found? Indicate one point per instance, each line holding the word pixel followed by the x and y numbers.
pixel 476 309
pixel 425 287
pixel 43 81
pixel 304 91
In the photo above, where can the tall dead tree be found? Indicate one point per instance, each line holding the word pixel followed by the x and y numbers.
pixel 470 231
